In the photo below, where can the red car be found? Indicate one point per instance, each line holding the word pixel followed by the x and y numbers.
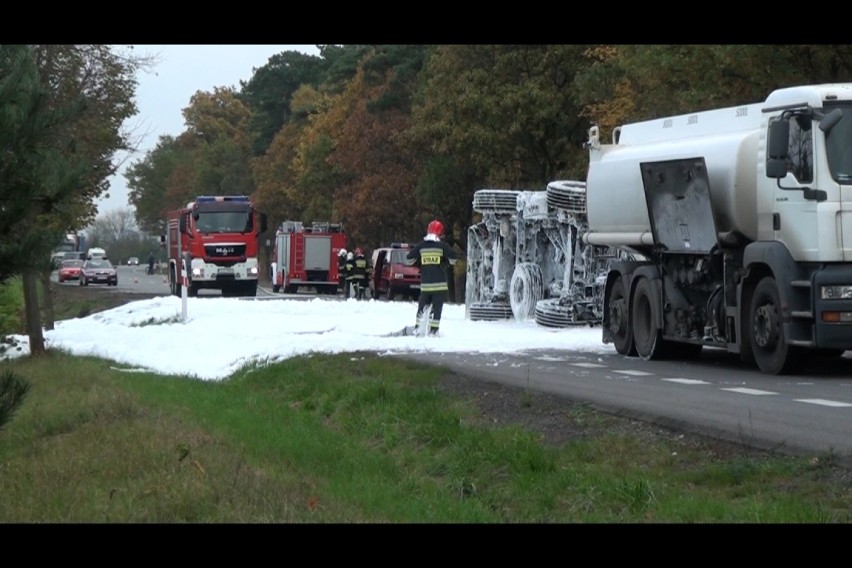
pixel 394 273
pixel 70 270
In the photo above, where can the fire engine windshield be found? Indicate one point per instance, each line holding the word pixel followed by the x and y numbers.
pixel 839 146
pixel 224 222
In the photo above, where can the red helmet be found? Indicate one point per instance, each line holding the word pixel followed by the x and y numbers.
pixel 358 251
pixel 435 228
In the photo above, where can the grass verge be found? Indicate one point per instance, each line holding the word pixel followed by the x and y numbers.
pixel 359 439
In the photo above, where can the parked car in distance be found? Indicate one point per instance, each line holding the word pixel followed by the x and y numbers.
pixel 98 271
pixel 394 274
pixel 70 269
pixel 132 261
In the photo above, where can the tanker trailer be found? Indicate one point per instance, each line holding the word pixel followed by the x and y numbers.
pixel 743 217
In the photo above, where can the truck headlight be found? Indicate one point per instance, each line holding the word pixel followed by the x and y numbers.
pixel 253 271
pixel 836 292
pixel 398 275
pixel 197 272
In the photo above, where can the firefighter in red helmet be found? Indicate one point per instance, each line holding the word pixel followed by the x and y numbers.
pixel 434 258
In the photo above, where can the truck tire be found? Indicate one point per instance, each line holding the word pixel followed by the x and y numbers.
pixel 619 320
pixel 391 293
pixel 496 201
pixel 553 313
pixel 487 311
pixel 192 290
pixel 276 288
pixel 771 352
pixel 649 341
pixel 525 290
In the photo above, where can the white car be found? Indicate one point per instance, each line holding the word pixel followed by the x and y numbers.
pixel 132 261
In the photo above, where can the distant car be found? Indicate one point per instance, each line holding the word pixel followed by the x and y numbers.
pixel 76 255
pixel 70 269
pixel 98 271
pixel 96 252
pixel 132 261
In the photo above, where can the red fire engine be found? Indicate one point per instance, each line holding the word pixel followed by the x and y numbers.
pixel 306 256
pixel 217 237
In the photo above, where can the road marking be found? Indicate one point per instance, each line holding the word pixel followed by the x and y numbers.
pixel 635 373
pixel 688 381
pixel 750 391
pixel 822 402
pixel 589 365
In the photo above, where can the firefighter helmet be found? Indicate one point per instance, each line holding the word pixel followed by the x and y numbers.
pixel 350 256
pixel 435 228
pixel 342 252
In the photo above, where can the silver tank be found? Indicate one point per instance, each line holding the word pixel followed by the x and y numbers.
pixel 727 139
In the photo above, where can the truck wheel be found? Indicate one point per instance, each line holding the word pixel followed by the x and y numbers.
pixel 192 290
pixel 391 293
pixel 486 311
pixel 525 290
pixel 771 352
pixel 619 322
pixel 276 288
pixel 496 201
pixel 648 339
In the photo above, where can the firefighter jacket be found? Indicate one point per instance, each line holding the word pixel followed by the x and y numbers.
pixel 359 268
pixel 433 257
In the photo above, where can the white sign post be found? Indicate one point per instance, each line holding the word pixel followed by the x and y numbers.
pixel 183 292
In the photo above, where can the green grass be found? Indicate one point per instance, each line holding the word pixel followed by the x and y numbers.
pixel 357 439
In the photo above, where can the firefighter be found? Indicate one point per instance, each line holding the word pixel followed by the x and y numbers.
pixel 341 272
pixel 350 274
pixel 359 273
pixel 434 258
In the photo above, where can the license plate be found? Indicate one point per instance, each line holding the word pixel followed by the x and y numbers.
pixel 226 271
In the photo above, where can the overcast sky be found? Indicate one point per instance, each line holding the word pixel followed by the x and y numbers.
pixel 223 334
pixel 165 90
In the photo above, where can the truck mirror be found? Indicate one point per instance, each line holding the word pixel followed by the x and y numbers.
pixel 163 239
pixel 829 120
pixel 776 148
pixel 182 224
pixel 263 222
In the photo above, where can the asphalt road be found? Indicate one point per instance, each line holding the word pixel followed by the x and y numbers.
pixel 716 395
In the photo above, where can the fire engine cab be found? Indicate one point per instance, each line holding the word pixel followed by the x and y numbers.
pixel 306 257
pixel 393 273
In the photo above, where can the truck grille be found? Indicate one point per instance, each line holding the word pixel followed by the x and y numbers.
pixel 224 250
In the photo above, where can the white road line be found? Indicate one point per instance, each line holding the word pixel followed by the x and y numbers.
pixel 688 381
pixel 635 373
pixel 589 365
pixel 750 391
pixel 822 402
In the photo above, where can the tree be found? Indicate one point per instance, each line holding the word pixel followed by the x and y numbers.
pixel 63 107
pixel 148 182
pixel 271 89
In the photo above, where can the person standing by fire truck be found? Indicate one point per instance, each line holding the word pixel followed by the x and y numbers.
pixel 350 274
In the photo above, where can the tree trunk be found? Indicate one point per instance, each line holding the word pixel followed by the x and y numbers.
pixel 47 300
pixel 31 308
